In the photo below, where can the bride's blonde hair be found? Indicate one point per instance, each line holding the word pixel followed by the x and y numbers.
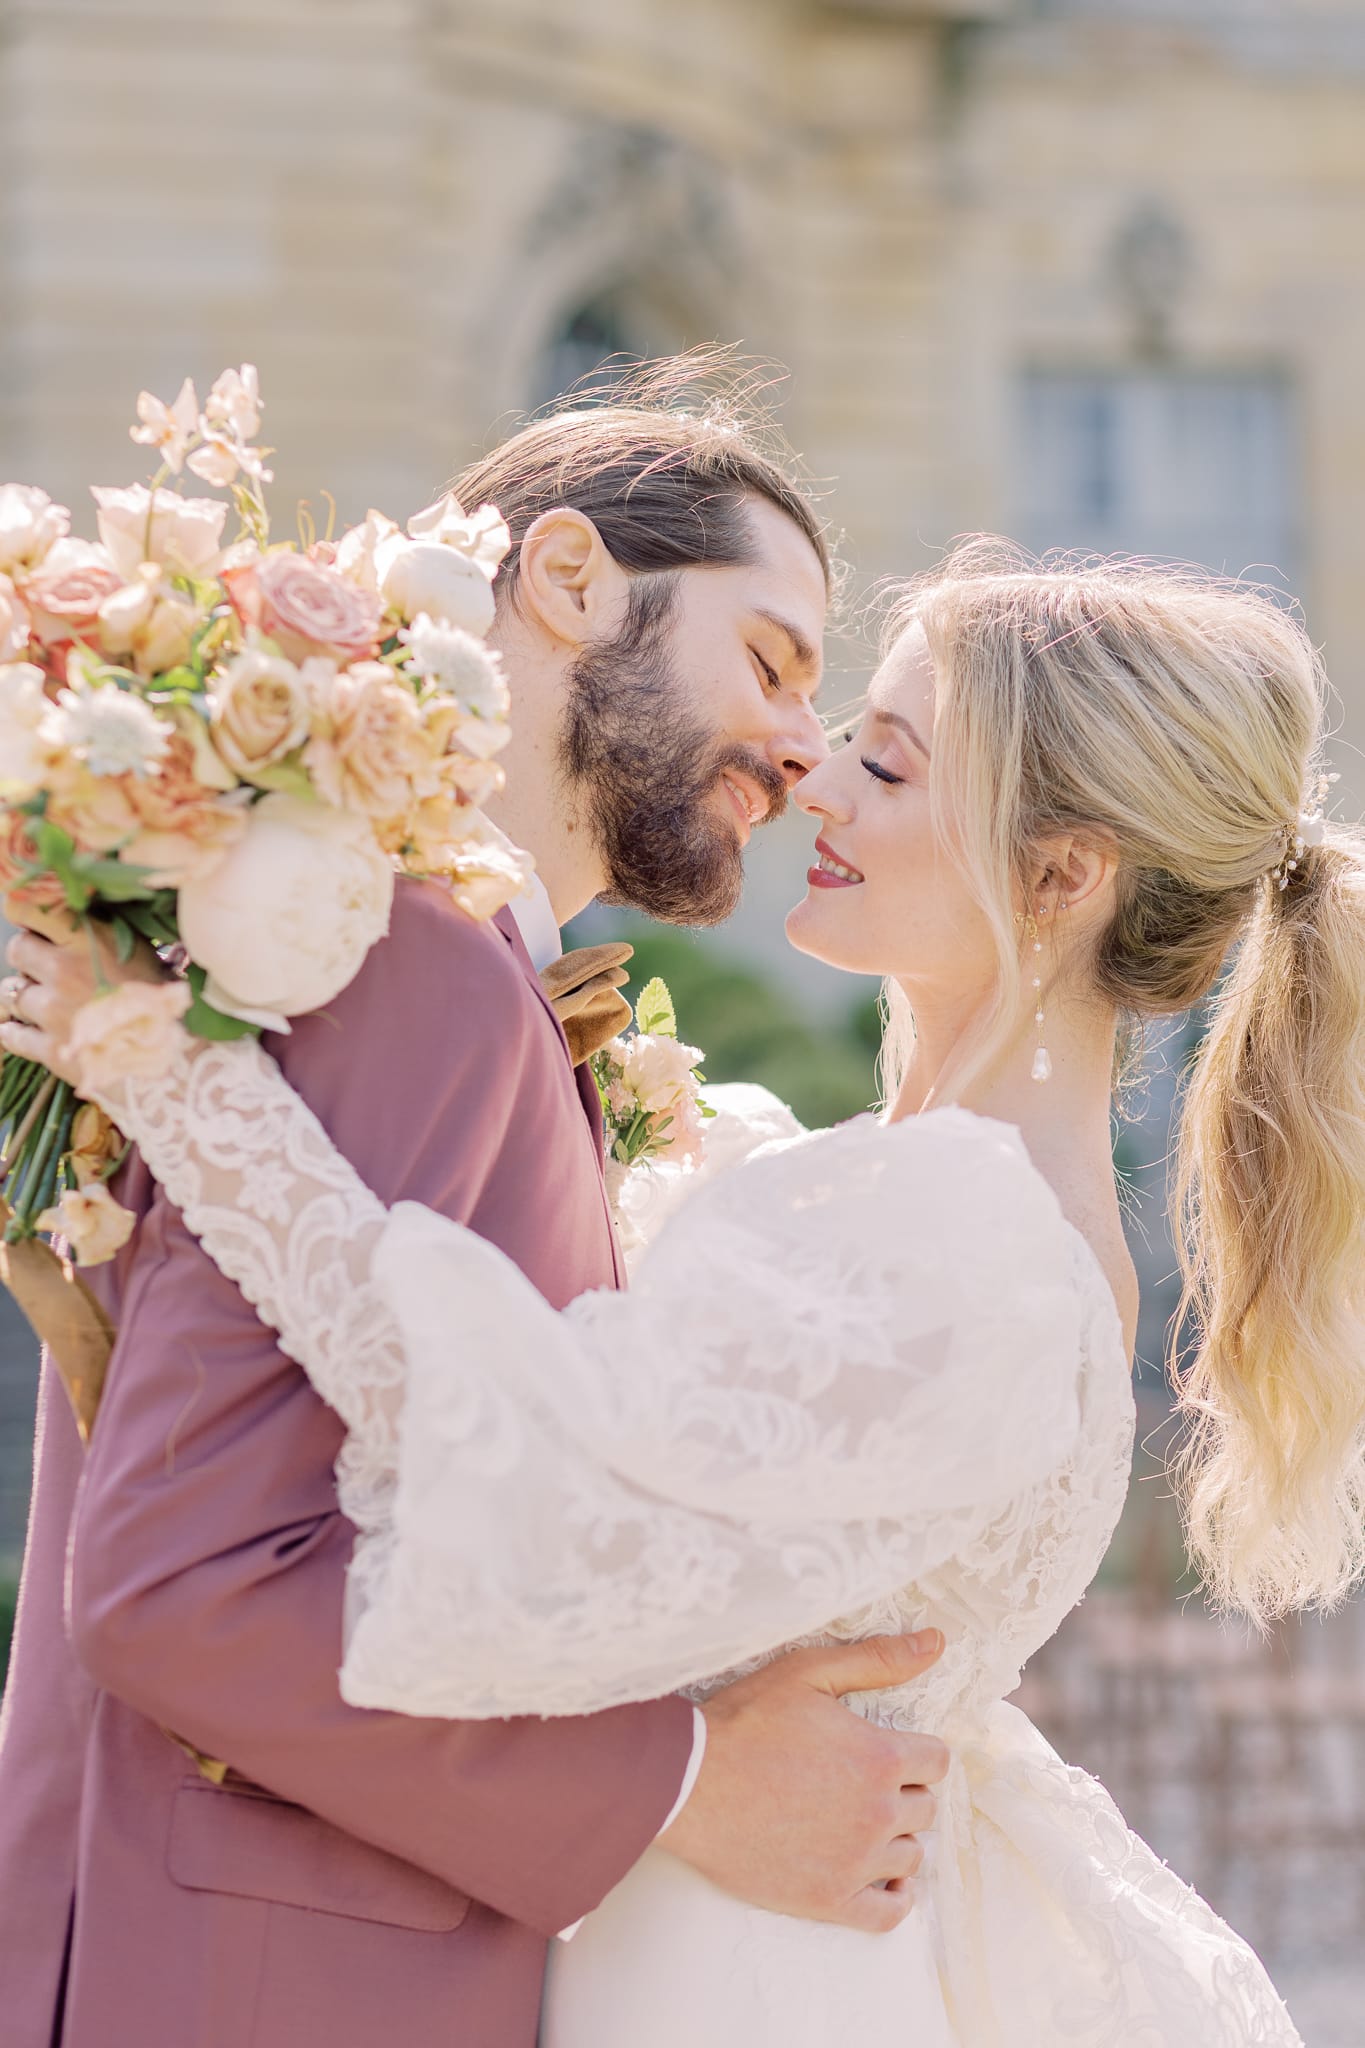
pixel 1179 720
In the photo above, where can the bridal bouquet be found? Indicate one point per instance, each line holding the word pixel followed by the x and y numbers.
pixel 232 749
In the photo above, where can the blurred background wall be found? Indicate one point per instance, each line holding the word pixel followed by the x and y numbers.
pixel 1089 272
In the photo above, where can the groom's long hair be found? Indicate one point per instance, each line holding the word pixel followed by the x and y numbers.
pixel 660 458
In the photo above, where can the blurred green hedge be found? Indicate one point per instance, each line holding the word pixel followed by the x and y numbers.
pixel 751 1029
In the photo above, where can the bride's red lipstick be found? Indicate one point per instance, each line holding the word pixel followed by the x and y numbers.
pixel 829 877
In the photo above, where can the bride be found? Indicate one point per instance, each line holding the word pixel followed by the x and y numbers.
pixel 877 1377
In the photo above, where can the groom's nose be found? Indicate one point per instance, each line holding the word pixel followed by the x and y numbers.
pixel 799 744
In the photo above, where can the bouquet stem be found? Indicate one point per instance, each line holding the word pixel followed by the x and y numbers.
pixel 36 1114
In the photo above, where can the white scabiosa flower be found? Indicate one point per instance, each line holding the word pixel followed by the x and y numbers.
pixel 458 664
pixel 113 731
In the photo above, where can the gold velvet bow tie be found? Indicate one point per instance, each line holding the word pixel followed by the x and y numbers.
pixel 582 988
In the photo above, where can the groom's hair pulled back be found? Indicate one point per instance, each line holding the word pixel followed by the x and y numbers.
pixel 661 458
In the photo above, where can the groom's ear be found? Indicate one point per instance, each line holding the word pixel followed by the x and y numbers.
pixel 567 581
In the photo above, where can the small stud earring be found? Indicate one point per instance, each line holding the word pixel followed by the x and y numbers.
pixel 1042 1058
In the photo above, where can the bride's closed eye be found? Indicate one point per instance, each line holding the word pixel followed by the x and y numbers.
pixel 875 769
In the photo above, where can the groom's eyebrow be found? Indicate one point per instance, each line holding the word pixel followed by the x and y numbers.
pixel 803 654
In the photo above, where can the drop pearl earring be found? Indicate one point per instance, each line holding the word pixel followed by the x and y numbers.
pixel 1042 1058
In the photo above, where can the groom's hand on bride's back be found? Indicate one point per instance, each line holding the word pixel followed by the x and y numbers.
pixel 804 1807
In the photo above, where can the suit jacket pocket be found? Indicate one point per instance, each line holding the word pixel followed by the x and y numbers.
pixel 251 1845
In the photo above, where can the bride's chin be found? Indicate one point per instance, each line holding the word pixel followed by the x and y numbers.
pixel 811 929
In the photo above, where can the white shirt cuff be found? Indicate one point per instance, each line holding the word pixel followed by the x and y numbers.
pixel 690 1776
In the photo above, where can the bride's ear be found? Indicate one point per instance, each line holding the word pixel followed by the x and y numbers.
pixel 1076 870
pixel 567 581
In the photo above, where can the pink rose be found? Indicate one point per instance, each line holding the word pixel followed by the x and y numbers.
pixel 305 607
pixel 65 595
pixel 180 827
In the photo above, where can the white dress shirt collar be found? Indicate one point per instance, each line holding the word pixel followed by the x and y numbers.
pixel 535 920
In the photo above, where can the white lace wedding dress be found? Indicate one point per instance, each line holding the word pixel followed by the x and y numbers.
pixel 867 1379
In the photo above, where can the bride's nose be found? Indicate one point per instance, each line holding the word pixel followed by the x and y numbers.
pixel 825 792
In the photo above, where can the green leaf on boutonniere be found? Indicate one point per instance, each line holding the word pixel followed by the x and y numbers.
pixel 205 1022
pixel 654 1012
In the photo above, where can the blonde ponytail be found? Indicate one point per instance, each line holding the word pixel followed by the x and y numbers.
pixel 1181 717
pixel 1271 1194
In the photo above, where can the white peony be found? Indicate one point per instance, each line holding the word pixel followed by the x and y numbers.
pixel 416 576
pixel 27 730
pixel 284 921
pixel 29 525
pixel 186 536
pixel 458 664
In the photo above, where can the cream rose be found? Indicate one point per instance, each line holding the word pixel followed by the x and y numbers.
pixel 305 607
pixel 148 623
pixel 186 536
pixel 183 829
pixel 283 923
pixel 130 1033
pixel 95 809
pixel 97 1145
pixel 14 624
pixel 92 1222
pixel 259 711
pixel 489 872
pixel 30 524
pixel 370 750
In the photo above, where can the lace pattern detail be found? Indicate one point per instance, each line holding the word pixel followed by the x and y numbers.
pixel 777 1436
pixel 289 1220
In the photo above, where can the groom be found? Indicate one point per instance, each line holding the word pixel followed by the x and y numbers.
pixel 201 1846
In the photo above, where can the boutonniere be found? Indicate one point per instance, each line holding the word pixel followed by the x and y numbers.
pixel 650 1089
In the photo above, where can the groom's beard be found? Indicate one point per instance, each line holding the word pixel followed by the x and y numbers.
pixel 650 772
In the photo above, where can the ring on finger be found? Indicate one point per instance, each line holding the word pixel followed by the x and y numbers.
pixel 12 992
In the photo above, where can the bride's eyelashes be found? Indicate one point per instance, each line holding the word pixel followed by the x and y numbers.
pixel 880 774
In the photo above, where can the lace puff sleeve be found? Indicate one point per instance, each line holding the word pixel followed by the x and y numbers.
pixel 839 1362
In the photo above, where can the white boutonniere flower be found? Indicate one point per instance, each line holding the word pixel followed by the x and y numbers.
pixel 650 1086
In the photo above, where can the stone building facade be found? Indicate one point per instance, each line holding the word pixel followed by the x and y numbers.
pixel 1091 272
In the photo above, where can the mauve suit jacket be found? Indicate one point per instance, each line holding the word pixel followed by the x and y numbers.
pixel 360 1877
